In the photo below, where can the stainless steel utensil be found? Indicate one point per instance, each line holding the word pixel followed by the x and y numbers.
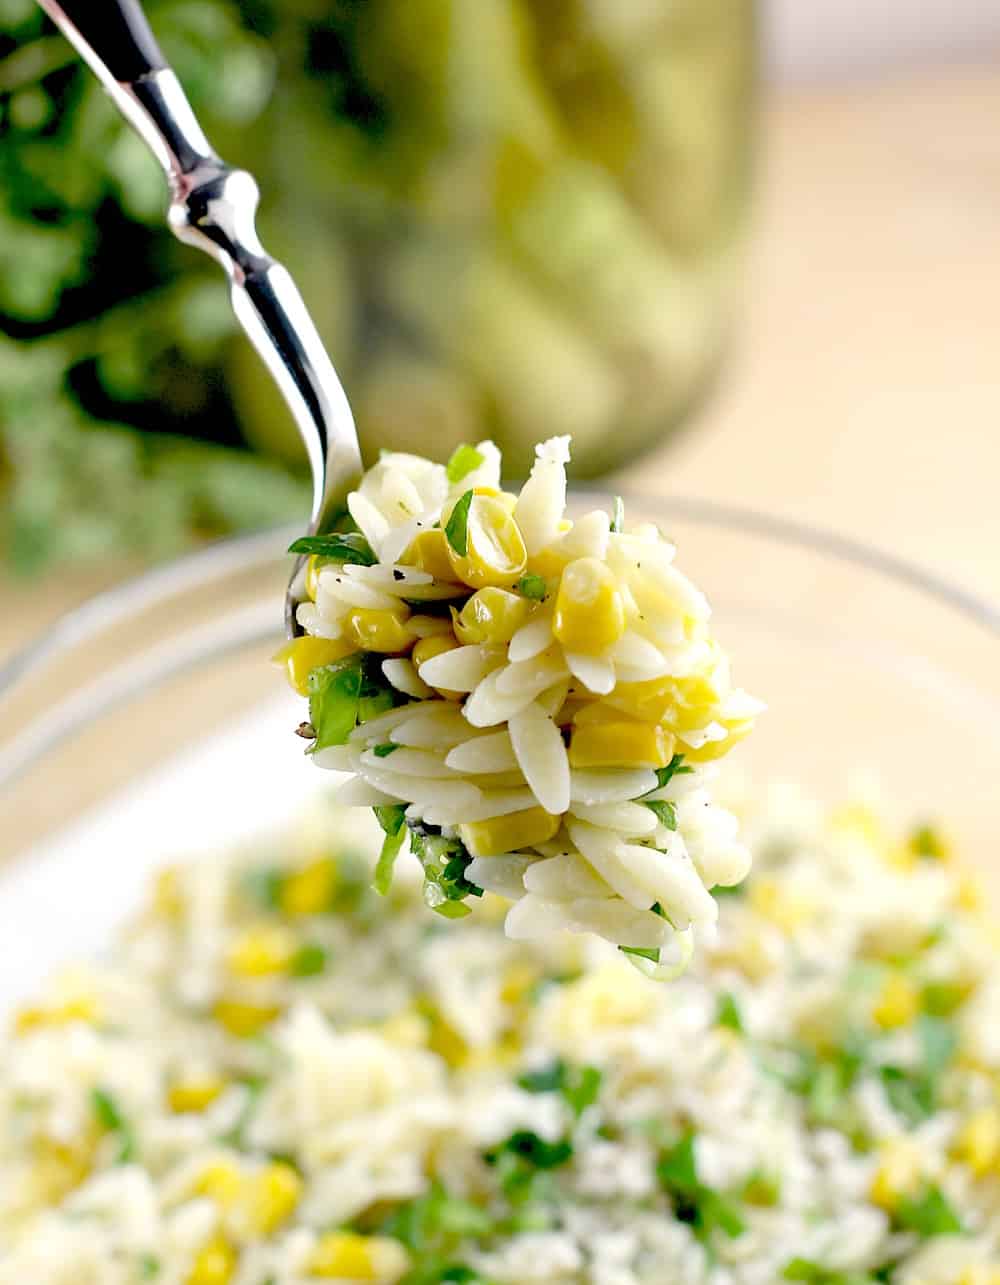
pixel 213 207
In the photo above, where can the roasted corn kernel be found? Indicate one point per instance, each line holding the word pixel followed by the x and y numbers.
pixel 349 1257
pixel 897 1175
pixel 378 630
pixel 620 744
pixel 241 1018
pixel 270 1197
pixel 977 1143
pixel 429 552
pixel 214 1263
pixel 509 833
pixel 220 1181
pixel 491 616
pixel 495 553
pixel 590 613
pixel 302 655
pixel 435 645
pixel 897 1002
pixel 261 951
pixel 194 1093
pixel 309 891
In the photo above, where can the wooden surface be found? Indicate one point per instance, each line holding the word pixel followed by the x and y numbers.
pixel 865 392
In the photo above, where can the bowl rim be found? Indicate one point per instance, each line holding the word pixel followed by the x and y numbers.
pixel 129 598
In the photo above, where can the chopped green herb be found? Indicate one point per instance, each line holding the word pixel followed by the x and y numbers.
pixel 705 1209
pixel 665 812
pixel 912 1091
pixel 263 885
pixel 579 1086
pixel 392 845
pixel 308 960
pixel 457 528
pixel 377 694
pixel 674 768
pixel 464 459
pixel 618 515
pixel 149 1267
pixel 444 862
pixel 643 952
pixel 531 1149
pixel 350 547
pixel 804 1269
pixel 334 697
pixel 929 1214
pixel 728 1013
pixel 383 751
pixel 110 1117
pixel 432 1227
pixel 532 586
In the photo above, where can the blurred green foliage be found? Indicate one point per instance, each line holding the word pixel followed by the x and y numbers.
pixel 507 216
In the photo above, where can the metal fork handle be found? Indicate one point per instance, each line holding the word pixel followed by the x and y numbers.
pixel 213 207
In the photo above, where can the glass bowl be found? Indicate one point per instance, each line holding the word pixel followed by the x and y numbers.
pixel 148 723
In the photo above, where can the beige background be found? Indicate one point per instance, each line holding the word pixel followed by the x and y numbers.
pixel 865 392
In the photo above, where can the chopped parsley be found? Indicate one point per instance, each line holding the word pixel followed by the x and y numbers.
pixel 929 1214
pixel 344 694
pixel 433 1227
pixel 391 817
pixel 444 862
pixel 111 1118
pixel 383 751
pixel 309 960
pixel 149 1267
pixel 348 546
pixel 665 812
pixel 703 1208
pixel 464 459
pixel 580 1086
pixel 457 527
pixel 912 1091
pixel 728 1013
pixel 532 586
pixel 523 1158
pixel 804 1269
pixel 674 768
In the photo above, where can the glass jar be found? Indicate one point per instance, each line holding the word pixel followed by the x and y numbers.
pixel 524 217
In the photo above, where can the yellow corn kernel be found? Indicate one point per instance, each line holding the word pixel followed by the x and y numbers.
pixel 427 648
pixel 898 1175
pixel 620 744
pixel 270 1197
pixel 302 655
pixel 611 995
pixel 429 626
pixel 547 563
pixel 650 701
pixel 408 1030
pixel 261 951
pixel 429 552
pixel 980 1274
pixel 590 613
pixel 194 1093
pixel 221 1181
pixel 491 616
pixel 517 980
pixel 495 553
pixel 350 1257
pixel 214 1263
pixel 509 833
pixel 78 1008
pixel 309 891
pixel 377 630
pixel 897 1003
pixel 969 893
pixel 978 1141
pixel 242 1019
pixel 58 1167
pixel 782 905
pixel 168 899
